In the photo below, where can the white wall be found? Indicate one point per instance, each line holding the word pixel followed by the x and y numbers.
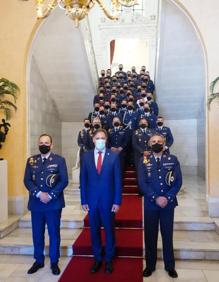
pixel 180 86
pixel 185 144
pixel 43 114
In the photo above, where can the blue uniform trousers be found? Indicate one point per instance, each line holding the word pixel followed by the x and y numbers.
pixel 51 218
pixel 151 228
pixel 101 217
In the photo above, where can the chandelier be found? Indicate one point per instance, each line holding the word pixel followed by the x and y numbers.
pixel 78 9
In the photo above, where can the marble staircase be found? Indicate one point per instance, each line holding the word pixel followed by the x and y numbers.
pixel 196 235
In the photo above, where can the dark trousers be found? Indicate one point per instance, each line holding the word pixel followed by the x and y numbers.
pixel 52 219
pixel 152 218
pixel 102 217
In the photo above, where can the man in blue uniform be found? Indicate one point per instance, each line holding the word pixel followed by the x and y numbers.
pixel 160 179
pixel 45 178
pixel 151 118
pixel 101 195
pixel 117 139
pixel 153 105
pixel 166 132
pixel 140 140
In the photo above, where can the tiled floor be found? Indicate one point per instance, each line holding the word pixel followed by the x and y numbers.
pixel 192 203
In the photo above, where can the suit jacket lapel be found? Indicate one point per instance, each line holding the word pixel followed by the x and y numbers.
pixel 105 160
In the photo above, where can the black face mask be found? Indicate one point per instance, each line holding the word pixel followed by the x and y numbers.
pixel 102 112
pixel 141 104
pixel 107 107
pixel 159 123
pixel 113 99
pixel 124 106
pixel 146 110
pixel 116 124
pixel 130 108
pixel 102 74
pixel 143 95
pixel 120 69
pixel 113 110
pixel 157 148
pixel 101 97
pixel 96 109
pixel 130 100
pixel 44 149
pixel 143 126
pixel 149 98
pixel 86 125
pixel 96 126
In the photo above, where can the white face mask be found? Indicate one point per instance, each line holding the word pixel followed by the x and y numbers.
pixel 100 144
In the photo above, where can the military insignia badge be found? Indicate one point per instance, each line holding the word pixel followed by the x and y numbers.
pixel 170 178
pixel 51 180
pixel 32 161
pixel 145 160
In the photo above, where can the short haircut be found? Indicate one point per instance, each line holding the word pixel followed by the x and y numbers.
pixel 158 134
pixel 143 119
pixel 46 135
pixel 100 130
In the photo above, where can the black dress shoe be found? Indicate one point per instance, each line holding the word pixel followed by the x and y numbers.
pixel 147 272
pixel 172 273
pixel 55 269
pixel 109 267
pixel 96 266
pixel 36 266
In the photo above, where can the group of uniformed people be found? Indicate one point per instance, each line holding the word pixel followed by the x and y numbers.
pixel 126 108
pixel 124 125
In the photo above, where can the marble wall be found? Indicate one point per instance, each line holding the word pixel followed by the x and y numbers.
pixel 180 86
pixel 43 114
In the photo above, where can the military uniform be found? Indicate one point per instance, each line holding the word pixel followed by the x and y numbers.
pixel 166 132
pixel 140 140
pixel 117 138
pixel 151 118
pixel 51 177
pixel 156 178
pixel 154 107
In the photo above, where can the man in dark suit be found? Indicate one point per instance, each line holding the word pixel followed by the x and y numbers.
pixel 101 195
pixel 45 178
pixel 160 179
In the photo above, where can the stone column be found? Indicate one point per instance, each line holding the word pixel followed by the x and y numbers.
pixel 3 191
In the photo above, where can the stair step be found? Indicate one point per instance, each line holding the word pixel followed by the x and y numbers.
pixel 129 181
pixel 19 242
pixel 129 243
pixel 200 245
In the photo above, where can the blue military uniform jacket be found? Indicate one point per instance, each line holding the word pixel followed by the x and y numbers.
pixel 130 119
pixel 117 137
pixel 151 118
pixel 140 140
pixel 166 132
pixel 103 189
pixel 83 140
pixel 50 177
pixel 154 181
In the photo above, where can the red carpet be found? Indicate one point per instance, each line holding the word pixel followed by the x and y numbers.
pixel 130 213
pixel 130 189
pixel 128 242
pixel 125 270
